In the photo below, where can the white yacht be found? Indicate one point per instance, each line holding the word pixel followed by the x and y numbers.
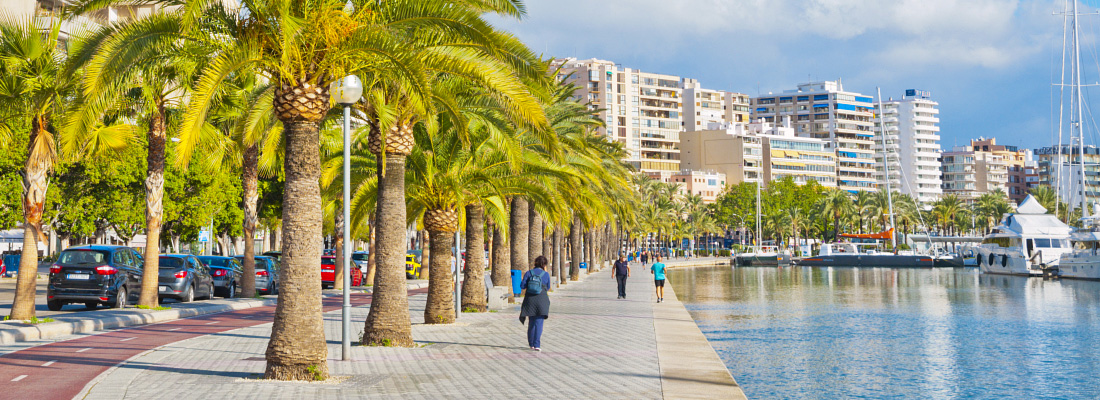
pixel 1084 261
pixel 1027 242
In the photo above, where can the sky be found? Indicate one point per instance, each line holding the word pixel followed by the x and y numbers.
pixel 989 63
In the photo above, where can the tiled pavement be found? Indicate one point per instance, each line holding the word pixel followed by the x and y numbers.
pixel 594 346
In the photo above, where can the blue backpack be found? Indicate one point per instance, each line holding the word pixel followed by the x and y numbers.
pixel 534 283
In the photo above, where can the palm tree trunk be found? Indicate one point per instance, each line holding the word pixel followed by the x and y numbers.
pixel 338 232
pixel 520 233
pixel 249 185
pixel 502 259
pixel 588 247
pixel 440 307
pixel 297 349
pixel 154 207
pixel 558 256
pixel 575 249
pixel 534 237
pixel 35 184
pixel 369 279
pixel 546 249
pixel 473 283
pixel 388 321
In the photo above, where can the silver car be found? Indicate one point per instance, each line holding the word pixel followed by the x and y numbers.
pixel 267 274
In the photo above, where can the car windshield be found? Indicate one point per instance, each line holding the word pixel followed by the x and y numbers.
pixel 360 257
pixel 171 262
pixel 82 257
pixel 214 262
pixel 261 263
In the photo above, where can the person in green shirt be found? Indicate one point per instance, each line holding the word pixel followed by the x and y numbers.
pixel 658 271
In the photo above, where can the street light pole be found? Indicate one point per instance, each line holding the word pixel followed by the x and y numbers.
pixel 346 92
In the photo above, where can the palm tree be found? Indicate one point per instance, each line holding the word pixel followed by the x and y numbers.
pixel 838 204
pixel 1046 196
pixel 864 208
pixel 945 210
pixel 798 220
pixel 144 65
pixel 38 81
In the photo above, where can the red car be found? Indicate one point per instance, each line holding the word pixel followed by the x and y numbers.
pixel 328 273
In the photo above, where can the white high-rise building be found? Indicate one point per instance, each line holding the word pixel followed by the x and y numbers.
pixel 703 107
pixel 913 145
pixel 823 110
pixel 642 110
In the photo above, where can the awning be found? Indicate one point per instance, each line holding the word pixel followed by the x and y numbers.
pixel 779 153
pixel 876 236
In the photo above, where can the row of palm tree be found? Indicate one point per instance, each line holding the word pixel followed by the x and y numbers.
pixel 461 125
pixel 665 214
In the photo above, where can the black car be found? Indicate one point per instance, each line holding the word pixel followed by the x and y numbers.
pixel 183 277
pixel 226 272
pixel 94 275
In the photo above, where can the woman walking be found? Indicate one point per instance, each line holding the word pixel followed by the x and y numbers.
pixel 536 303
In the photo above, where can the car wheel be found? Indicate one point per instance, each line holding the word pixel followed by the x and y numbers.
pixel 189 295
pixel 91 305
pixel 232 291
pixel 120 299
pixel 54 305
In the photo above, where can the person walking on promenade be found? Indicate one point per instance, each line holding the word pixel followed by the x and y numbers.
pixel 536 303
pixel 621 272
pixel 658 271
pixel 645 258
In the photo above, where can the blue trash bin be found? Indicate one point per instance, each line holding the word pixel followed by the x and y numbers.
pixel 517 277
pixel 584 265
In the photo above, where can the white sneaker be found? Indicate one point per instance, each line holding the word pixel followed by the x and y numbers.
pixel 537 349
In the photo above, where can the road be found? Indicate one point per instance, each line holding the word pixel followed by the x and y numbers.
pixel 60 370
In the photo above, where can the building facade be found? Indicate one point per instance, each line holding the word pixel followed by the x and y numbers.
pixel 970 173
pixel 823 110
pixel 705 184
pixel 1067 160
pixel 748 152
pixel 912 146
pixel 703 107
pixel 642 110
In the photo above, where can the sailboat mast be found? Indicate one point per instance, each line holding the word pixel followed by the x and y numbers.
pixel 1061 113
pixel 886 165
pixel 758 237
pixel 1079 124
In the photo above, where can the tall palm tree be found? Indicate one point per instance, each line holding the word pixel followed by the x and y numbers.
pixel 837 204
pixel 38 81
pixel 945 211
pixel 798 220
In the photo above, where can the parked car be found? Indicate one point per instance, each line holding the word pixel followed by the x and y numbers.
pixel 226 272
pixel 412 268
pixel 183 277
pixel 328 273
pixel 94 275
pixel 267 274
pixel 360 258
pixel 275 255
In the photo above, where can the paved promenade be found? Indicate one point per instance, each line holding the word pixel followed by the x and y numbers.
pixel 594 346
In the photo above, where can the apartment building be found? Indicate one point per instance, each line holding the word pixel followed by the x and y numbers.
pixel 969 172
pixel 705 184
pixel 642 110
pixel 744 152
pixel 1067 159
pixel 728 149
pixel 912 146
pixel 824 110
pixel 1016 179
pixel 703 107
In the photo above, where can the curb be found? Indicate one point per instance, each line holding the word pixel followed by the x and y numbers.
pixel 129 317
pixel 134 317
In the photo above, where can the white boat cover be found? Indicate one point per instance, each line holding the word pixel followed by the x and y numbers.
pixel 1036 225
pixel 1030 206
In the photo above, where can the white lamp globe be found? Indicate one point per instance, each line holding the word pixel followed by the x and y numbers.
pixel 347 90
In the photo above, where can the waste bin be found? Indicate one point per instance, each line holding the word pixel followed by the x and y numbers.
pixel 11 263
pixel 517 277
pixel 584 265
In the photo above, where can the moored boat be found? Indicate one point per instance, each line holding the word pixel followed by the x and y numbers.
pixel 1026 242
pixel 849 255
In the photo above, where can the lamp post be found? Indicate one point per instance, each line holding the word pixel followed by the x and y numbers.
pixel 740 232
pixel 346 91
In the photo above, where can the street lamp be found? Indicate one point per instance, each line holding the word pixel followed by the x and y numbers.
pixel 740 232
pixel 347 91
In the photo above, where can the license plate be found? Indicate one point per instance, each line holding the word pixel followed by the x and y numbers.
pixel 164 288
pixel 326 270
pixel 78 276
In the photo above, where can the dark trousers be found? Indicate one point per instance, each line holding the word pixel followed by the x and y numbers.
pixel 621 279
pixel 534 331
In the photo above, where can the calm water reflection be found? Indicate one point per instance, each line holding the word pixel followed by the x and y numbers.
pixel 898 333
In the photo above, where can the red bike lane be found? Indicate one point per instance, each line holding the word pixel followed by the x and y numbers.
pixel 60 370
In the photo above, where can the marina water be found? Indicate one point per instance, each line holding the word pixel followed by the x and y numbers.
pixel 817 333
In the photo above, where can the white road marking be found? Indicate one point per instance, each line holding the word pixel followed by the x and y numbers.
pixel 129 338
pixel 49 363
pixel 18 378
pixel 175 329
pixel 211 323
pixel 83 350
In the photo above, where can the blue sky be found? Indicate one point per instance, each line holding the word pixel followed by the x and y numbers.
pixel 989 63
